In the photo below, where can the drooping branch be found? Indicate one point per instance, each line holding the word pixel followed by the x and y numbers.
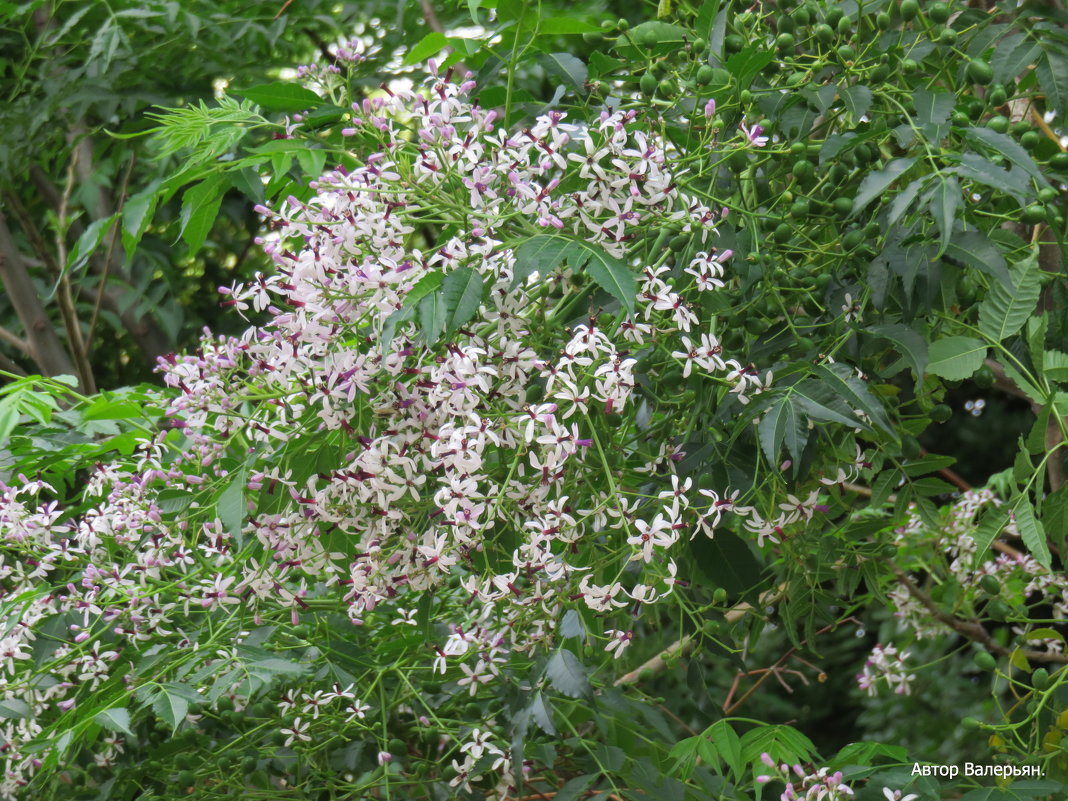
pixel 973 629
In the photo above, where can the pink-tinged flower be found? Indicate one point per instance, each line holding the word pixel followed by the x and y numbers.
pixel 710 108
pixel 754 134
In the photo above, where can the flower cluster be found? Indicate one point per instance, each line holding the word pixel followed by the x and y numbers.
pixel 886 665
pixel 802 785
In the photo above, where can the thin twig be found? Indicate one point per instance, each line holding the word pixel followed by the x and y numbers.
pixel 11 339
pixel 63 293
pixel 112 237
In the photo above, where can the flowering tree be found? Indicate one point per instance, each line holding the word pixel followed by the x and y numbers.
pixel 523 419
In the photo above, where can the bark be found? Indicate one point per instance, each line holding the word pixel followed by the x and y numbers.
pixel 45 346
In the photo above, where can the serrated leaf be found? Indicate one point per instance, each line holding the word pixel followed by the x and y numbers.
pixel 904 199
pixel 566 68
pixel 423 287
pixel 1003 312
pixel 785 424
pixel 541 254
pixel 1055 365
pixel 980 169
pixel 973 249
pixel 575 788
pixel 565 26
pixel 1007 147
pixel 462 292
pixel 542 713
pixel 822 403
pixel 115 719
pixel 1012 56
pixel 571 625
pixel 932 108
pixel 137 213
pixel 281 96
pixel 170 707
pixel 857 100
pixel 1032 532
pixel 613 276
pixel 230 507
pixel 200 206
pixel 1052 72
pixel 728 746
pixel 956 358
pixel 88 243
pixel 567 675
pixel 944 204
pixel 913 346
pixel 876 183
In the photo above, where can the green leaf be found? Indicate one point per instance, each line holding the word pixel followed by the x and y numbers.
pixel 904 199
pixel 115 719
pixel 567 675
pixel 430 45
pixel 1055 365
pixel 783 422
pixel 857 100
pixel 973 249
pixel 564 26
pixel 944 203
pixel 575 788
pixel 9 416
pixel 1031 531
pixel 462 292
pixel 875 184
pixel 912 346
pixel 956 358
pixel 1052 72
pixel 1013 55
pixel 932 108
pixel 822 403
pixel 200 205
pixel 980 169
pixel 1003 312
pixel 844 382
pixel 612 275
pixel 423 287
pixel 14 709
pixel 727 561
pixel 171 706
pixel 567 69
pixel 542 713
pixel 541 254
pixel 88 243
pixel 432 317
pixel 137 213
pixel 1055 516
pixel 728 746
pixel 230 507
pixel 1007 147
pixel 281 96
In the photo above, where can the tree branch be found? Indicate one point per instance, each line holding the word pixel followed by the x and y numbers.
pixel 45 347
pixel 973 629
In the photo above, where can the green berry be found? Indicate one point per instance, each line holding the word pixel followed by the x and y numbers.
pixel 998 96
pixel 846 53
pixel 1047 195
pixel 700 45
pixel 719 597
pixel 785 41
pixel 783 232
pixel 802 16
pixel 185 778
pixel 852 239
pixel 650 37
pixel 843 206
pixel 824 33
pixel 1040 679
pixel 970 723
pixel 834 15
pixel 1000 123
pixel 1059 161
pixel 647 83
pixel 666 87
pixel 704 75
pixel 983 379
pixel 948 36
pixel 909 9
pixel 984 660
pixel 940 413
pixel 883 20
pixel 733 43
pixel 844 26
pixel 910 66
pixel 800 208
pixel 1033 214
pixel 1030 139
pixel 938 12
pixel 980 72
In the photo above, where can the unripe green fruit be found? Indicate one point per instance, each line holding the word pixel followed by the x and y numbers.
pixel 998 96
pixel 185 778
pixel 960 119
pixel 704 75
pixel 733 43
pixel 1059 161
pixel 622 24
pixel 948 36
pixel 883 20
pixel 746 97
pixel 843 206
pixel 719 597
pixel 803 170
pixel 802 16
pixel 1047 195
pixel 938 12
pixel 700 45
pixel 852 239
pixel 1033 214
pixel 710 627
pixel 846 53
pixel 1031 139
pixel 1040 679
pixel 785 41
pixel 909 9
pixel 834 16
pixel 650 37
pixel 248 764
pixel 278 737
pixel 940 413
pixel 647 83
pixel 782 232
pixel 397 747
pixel 646 674
pixel 970 723
pixel 679 243
pixel 984 660
pixel 880 73
pixel 999 123
pixel 910 66
pixel 785 24
pixel 980 72
pixel 984 378
pixel 824 33
pixel 666 87
pixel 800 208
pixel 844 26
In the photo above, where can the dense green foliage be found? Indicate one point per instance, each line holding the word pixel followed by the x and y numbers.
pixel 635 408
